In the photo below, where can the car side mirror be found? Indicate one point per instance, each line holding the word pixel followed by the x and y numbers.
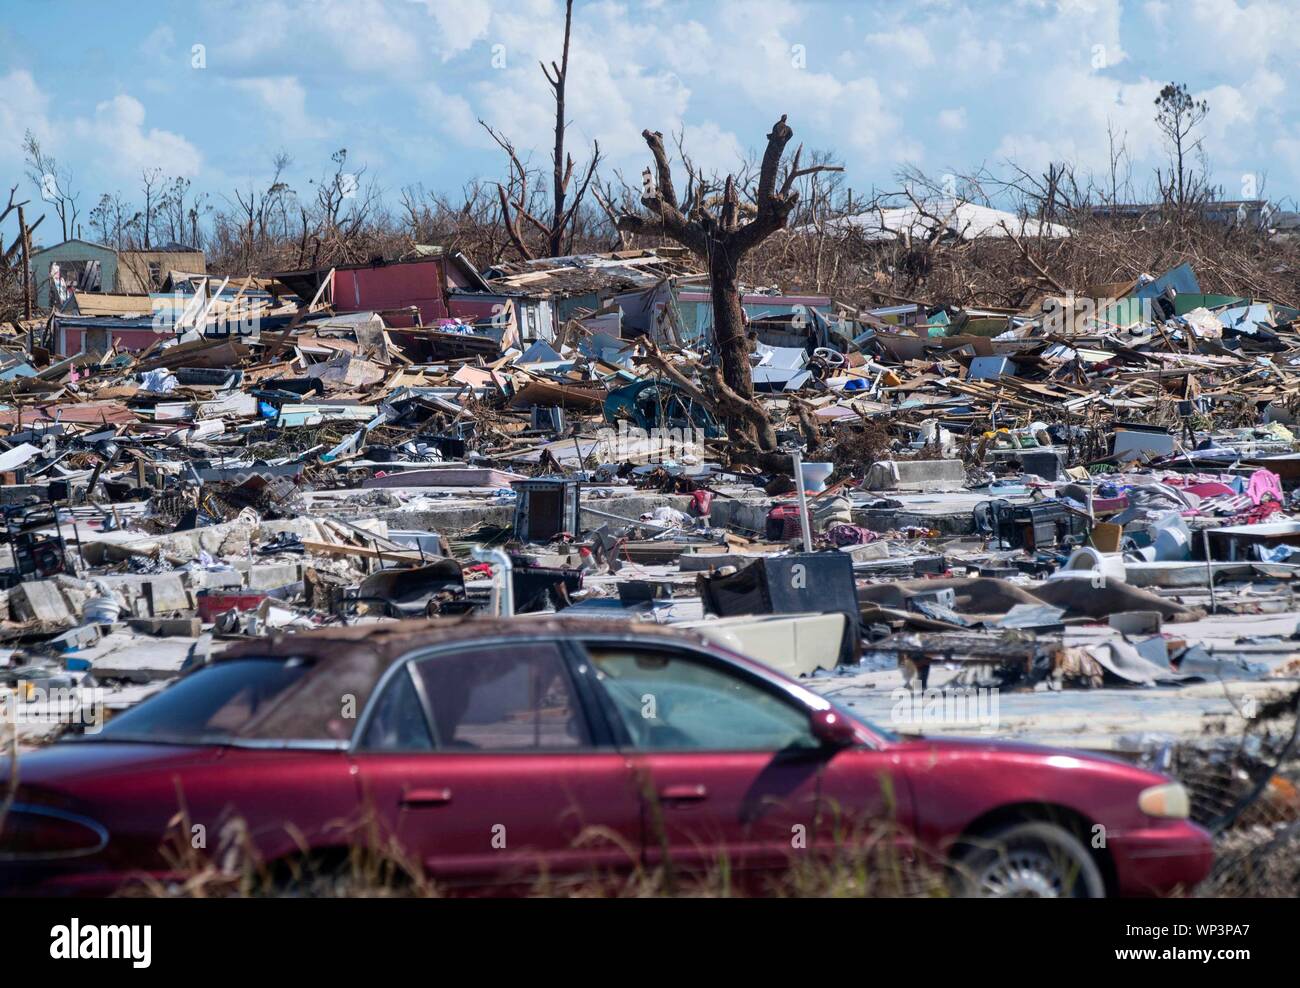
pixel 833 729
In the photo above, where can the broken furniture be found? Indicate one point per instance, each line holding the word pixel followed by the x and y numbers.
pixel 546 508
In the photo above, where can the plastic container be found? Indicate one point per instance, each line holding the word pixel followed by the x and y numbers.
pixel 815 476
pixel 101 610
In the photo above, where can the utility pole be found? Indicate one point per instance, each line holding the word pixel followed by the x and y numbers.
pixel 805 523
pixel 26 238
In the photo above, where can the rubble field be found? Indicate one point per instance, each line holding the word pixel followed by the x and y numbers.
pixel 969 521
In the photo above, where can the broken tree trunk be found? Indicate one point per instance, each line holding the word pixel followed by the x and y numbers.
pixel 756 444
pixel 722 240
pixel 729 325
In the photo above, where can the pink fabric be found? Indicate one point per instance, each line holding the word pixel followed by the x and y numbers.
pixel 1264 483
pixel 1110 503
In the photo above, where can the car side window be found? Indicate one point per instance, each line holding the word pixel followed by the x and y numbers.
pixel 398 723
pixel 672 701
pixel 515 696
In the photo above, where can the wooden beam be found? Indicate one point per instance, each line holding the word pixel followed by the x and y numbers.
pixel 334 549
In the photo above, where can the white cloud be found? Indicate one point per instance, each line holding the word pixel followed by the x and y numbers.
pixel 1247 32
pixel 23 106
pixel 114 139
pixel 906 43
pixel 284 99
pixel 160 44
pixel 977 54
pixel 713 149
pixel 363 36
pixel 1156 11
pixel 952 119
pixel 749 15
pixel 460 24
pixel 368 35
pixel 116 134
pixel 1288 149
pixel 611 94
pixel 408 79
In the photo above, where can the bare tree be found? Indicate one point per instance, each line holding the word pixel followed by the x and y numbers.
pixel 1120 164
pixel 562 165
pixel 15 262
pixel 468 225
pixel 55 183
pixel 199 207
pixel 716 230
pixel 101 219
pixel 1177 115
pixel 344 206
pixel 113 220
pixel 149 179
pixel 559 233
pixel 254 206
pixel 172 211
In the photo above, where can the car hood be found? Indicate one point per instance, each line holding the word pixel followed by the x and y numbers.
pixel 968 746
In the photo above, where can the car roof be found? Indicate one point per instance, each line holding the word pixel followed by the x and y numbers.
pixel 350 661
pixel 391 640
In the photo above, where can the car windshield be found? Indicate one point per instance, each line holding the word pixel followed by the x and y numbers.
pixel 212 705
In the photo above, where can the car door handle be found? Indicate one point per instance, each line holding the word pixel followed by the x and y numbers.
pixel 426 797
pixel 684 793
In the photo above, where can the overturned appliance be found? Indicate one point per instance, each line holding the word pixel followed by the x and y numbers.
pixel 543 588
pixel 799 583
pixel 1040 525
pixel 36 543
pixel 546 508
pixel 795 644
pixel 429 590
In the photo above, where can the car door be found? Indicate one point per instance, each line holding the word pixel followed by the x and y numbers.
pixel 484 763
pixel 866 816
pixel 728 767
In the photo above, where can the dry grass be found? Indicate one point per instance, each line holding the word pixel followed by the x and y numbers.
pixel 872 868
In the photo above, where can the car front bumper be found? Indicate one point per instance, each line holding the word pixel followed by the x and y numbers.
pixel 1167 857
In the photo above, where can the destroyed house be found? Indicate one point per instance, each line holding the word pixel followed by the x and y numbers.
pixel 99 334
pixel 533 317
pixel 74 265
pixel 150 269
pixel 79 266
pixel 414 291
pixel 778 320
pixel 657 291
pixel 1227 212
pixel 589 282
pixel 946 217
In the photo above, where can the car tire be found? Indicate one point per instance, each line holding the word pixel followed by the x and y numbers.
pixel 1027 860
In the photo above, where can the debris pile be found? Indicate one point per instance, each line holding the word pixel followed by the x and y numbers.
pixel 1095 496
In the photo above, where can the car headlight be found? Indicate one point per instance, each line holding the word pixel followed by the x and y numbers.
pixel 1168 800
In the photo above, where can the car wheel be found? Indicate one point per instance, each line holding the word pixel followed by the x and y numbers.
pixel 1028 861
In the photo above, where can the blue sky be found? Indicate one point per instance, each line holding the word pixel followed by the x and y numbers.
pixel 113 88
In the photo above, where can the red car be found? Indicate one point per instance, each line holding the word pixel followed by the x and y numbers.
pixel 488 752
